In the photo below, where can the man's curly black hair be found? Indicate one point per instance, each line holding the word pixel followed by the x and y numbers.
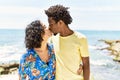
pixel 33 35
pixel 59 12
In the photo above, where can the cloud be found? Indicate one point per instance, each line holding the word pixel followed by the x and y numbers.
pixel 18 17
pixel 20 10
pixel 83 17
pixel 97 8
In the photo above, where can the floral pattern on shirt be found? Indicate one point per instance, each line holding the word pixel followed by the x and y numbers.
pixel 33 68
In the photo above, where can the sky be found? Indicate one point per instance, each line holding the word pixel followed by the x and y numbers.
pixel 86 14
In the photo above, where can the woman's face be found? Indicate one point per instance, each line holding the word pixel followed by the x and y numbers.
pixel 47 34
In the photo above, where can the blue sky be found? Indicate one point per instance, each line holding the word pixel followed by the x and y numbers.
pixel 87 14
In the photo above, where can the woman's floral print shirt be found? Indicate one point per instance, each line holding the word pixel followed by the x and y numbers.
pixel 33 68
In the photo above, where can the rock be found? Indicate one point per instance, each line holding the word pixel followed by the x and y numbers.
pixel 109 42
pixel 114 48
pixel 116 58
pixel 8 68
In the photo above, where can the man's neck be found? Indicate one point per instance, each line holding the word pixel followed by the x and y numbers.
pixel 66 32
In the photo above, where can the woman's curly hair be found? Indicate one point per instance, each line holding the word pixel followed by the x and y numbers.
pixel 59 12
pixel 33 35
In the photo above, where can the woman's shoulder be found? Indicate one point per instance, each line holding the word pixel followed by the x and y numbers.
pixel 50 46
pixel 26 54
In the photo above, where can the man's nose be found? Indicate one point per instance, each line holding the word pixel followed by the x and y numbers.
pixel 49 28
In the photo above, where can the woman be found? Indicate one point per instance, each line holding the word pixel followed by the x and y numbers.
pixel 38 63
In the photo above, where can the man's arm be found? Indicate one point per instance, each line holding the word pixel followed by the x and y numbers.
pixel 86 68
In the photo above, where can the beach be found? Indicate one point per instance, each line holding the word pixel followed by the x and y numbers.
pixel 101 43
pixel 13 76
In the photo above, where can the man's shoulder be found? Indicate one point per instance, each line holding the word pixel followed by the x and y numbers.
pixel 79 35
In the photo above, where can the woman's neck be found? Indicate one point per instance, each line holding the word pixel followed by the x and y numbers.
pixel 43 47
pixel 43 52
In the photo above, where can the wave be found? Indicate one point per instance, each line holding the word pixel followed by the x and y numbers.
pixel 97 47
pixel 10 53
pixel 92 47
pixel 100 62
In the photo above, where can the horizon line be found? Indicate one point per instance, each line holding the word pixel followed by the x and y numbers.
pixel 72 29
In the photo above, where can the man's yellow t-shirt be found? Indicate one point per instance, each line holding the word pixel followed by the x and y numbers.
pixel 68 51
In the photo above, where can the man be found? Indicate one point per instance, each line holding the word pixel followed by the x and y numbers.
pixel 71 48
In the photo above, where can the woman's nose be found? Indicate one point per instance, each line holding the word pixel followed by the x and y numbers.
pixel 48 29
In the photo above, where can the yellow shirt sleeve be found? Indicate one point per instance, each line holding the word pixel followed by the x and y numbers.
pixel 84 47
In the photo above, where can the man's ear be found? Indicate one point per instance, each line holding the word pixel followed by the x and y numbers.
pixel 60 22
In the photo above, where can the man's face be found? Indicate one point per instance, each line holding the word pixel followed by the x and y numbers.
pixel 53 26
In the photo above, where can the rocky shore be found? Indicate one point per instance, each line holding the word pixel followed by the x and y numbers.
pixel 8 68
pixel 9 71
pixel 113 47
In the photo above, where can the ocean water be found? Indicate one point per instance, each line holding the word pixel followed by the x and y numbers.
pixel 11 45
pixel 102 65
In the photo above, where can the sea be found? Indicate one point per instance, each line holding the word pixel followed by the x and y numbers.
pixel 101 62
